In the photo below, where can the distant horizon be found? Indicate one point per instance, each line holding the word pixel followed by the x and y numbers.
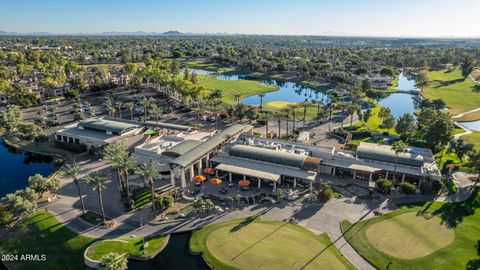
pixel 366 18
pixel 159 33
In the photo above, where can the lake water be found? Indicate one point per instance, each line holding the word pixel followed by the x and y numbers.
pixel 473 125
pixel 287 91
pixel 175 256
pixel 17 166
pixel 399 103
pixel 406 82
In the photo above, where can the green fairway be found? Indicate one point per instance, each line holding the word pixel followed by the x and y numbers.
pixel 43 234
pixel 130 246
pixel 208 66
pixel 409 236
pixel 231 88
pixel 424 236
pixel 254 244
pixel 473 138
pixel 278 105
pixel 373 122
pixel 459 94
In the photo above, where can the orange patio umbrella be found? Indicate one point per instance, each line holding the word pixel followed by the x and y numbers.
pixel 216 181
pixel 244 183
pixel 209 170
pixel 199 178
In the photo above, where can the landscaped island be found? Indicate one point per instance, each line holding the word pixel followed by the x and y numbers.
pixel 252 243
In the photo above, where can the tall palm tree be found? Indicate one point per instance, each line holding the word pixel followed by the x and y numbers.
pixel 294 107
pixel 156 112
pixel 130 106
pixel 278 115
pixel 113 261
pixel 97 181
pixel 398 147
pixel 145 103
pixel 72 171
pixel 119 105
pixel 127 164
pixel 286 111
pixel 261 95
pixel 150 171
pixel 237 98
pixel 266 114
pixel 115 154
pixel 304 105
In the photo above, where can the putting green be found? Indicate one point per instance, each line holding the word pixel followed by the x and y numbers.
pixel 244 244
pixel 410 236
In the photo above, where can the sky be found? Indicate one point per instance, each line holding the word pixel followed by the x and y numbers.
pixel 415 18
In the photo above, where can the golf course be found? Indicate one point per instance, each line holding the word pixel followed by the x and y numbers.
pixel 430 235
pixel 255 244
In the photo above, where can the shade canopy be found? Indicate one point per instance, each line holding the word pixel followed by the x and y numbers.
pixel 209 170
pixel 244 183
pixel 216 181
pixel 199 178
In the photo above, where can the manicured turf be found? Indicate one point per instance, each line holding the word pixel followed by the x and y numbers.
pixel 373 123
pixel 473 138
pixel 469 117
pixel 130 246
pixel 410 236
pixel 208 66
pixel 459 94
pixel 142 199
pixel 278 105
pixel 231 88
pixel 43 234
pixel 417 229
pixel 254 244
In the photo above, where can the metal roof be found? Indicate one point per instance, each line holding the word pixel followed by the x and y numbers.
pixel 385 153
pixel 204 148
pixel 267 155
pixel 169 126
pixel 106 125
pixel 181 148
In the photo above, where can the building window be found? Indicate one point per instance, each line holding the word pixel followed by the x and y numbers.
pixel 77 141
pixel 64 138
pixel 70 139
pixel 59 138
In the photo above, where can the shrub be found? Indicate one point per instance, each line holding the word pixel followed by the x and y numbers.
pixel 326 193
pixel 384 185
pixel 163 202
pixel 407 188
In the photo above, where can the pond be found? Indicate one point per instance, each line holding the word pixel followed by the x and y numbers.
pixel 17 166
pixel 197 71
pixel 406 82
pixel 472 125
pixel 175 256
pixel 288 91
pixel 399 103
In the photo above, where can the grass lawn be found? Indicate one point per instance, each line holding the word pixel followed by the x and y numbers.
pixel 278 105
pixel 131 246
pixel 208 66
pixel 431 235
pixel 473 138
pixel 459 94
pixel 254 244
pixel 469 117
pixel 43 234
pixel 142 199
pixel 373 123
pixel 231 88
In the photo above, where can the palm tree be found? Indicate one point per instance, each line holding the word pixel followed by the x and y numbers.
pixel 278 115
pixel 98 181
pixel 145 103
pixel 119 105
pixel 150 171
pixel 115 154
pixel 237 98
pixel 72 171
pixel 130 106
pixel 305 106
pixel 261 95
pixel 267 114
pixel 398 147
pixel 286 111
pixel 293 107
pixel 113 261
pixel 156 112
pixel 127 164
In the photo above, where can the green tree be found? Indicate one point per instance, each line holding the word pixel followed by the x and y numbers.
pixel 72 171
pixel 98 181
pixel 398 147
pixel 30 131
pixel 113 261
pixel 10 118
pixel 405 125
pixel 460 148
pixel 130 106
pixel 261 96
pixel 466 66
pixel 41 184
pixel 149 172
